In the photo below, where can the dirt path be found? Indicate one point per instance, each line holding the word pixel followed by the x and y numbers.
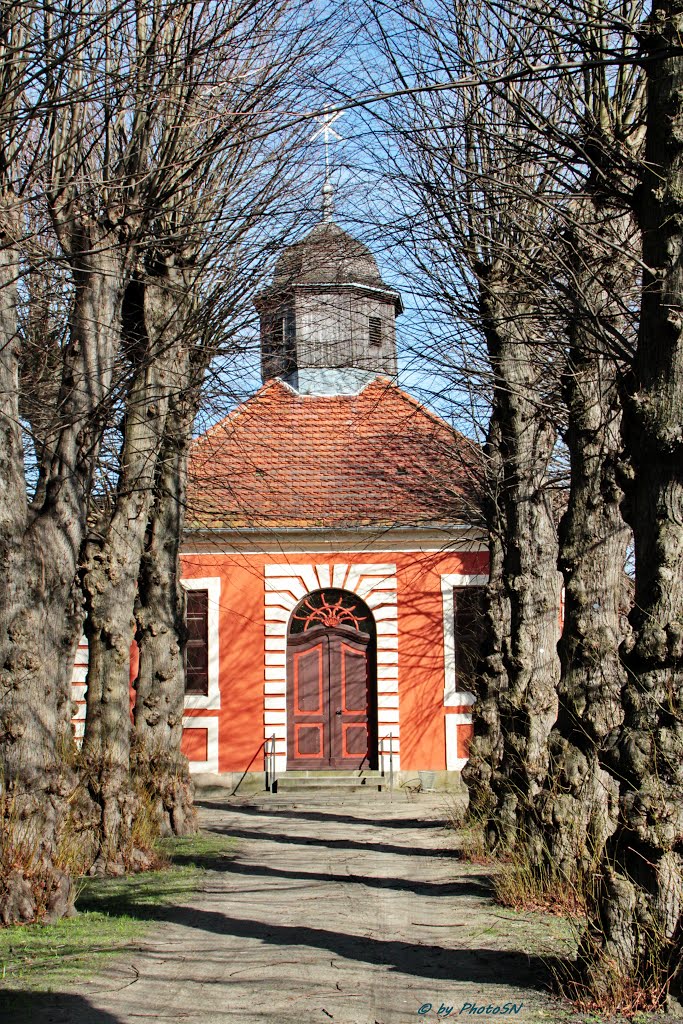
pixel 353 914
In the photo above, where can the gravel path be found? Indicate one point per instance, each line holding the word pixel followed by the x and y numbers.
pixel 352 912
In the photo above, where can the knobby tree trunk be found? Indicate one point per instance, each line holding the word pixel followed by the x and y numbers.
pixel 579 803
pixel 112 566
pixel 39 609
pixel 160 618
pixel 486 746
pixel 640 902
pixel 527 692
pixel 31 776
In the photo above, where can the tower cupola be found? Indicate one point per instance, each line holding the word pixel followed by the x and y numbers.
pixel 328 321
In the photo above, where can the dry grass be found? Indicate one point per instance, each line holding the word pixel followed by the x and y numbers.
pixel 524 885
pixel 21 855
pixel 594 983
pixel 470 833
pixel 597 983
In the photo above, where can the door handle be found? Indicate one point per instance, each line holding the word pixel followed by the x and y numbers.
pixel 338 712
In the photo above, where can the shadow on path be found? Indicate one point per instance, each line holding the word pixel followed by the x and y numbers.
pixel 474 885
pixel 331 844
pixel 321 816
pixel 18 1007
pixel 485 966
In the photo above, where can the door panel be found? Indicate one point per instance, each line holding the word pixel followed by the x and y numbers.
pixel 354 679
pixel 309 678
pixel 309 740
pixel 308 701
pixel 349 701
pixel 354 740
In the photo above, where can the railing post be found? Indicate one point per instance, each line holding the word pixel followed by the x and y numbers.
pixel 391 762
pixel 270 763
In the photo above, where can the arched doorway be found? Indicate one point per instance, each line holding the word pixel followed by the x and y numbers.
pixel 331 683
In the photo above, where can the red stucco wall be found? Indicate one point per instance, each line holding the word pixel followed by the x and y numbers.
pixel 420 647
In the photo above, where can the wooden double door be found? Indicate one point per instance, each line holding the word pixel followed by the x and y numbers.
pixel 330 699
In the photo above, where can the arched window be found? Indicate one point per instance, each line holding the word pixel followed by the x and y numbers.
pixel 332 607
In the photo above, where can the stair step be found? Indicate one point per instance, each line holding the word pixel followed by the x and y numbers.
pixel 333 783
pixel 333 773
pixel 340 792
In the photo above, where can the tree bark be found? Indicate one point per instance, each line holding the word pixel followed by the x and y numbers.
pixel 112 567
pixel 640 902
pixel 579 804
pixel 39 612
pixel 486 747
pixel 160 618
pixel 527 692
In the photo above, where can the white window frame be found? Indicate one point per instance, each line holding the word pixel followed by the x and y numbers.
pixel 454 763
pixel 452 697
pixel 212 700
pixel 210 725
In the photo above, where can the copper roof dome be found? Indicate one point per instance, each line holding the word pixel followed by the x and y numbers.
pixel 327 255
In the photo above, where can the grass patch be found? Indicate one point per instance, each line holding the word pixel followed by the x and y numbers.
pixel 523 885
pixel 113 914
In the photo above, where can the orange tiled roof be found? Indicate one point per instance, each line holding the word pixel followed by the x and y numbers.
pixel 378 458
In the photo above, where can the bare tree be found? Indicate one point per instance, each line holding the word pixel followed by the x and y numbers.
pixel 483 189
pixel 598 127
pixel 46 152
pixel 231 163
pixel 577 808
pixel 117 124
pixel 223 79
pixel 638 922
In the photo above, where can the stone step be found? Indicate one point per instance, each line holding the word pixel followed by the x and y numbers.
pixel 332 773
pixel 285 783
pixel 339 793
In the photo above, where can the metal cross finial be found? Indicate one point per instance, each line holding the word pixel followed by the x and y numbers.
pixel 327 132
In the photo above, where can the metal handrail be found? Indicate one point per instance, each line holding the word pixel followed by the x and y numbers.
pixel 270 763
pixel 383 754
pixel 391 762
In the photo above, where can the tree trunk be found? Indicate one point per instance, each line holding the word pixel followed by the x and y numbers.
pixel 112 567
pixel 486 746
pixel 32 780
pixel 527 697
pixel 39 617
pixel 160 616
pixel 579 805
pixel 640 903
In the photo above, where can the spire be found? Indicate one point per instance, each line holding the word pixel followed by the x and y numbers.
pixel 327 132
pixel 328 201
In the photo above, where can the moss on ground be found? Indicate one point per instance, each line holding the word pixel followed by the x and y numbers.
pixel 113 914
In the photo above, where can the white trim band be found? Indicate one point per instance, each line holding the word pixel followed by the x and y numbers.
pixel 454 763
pixel 210 724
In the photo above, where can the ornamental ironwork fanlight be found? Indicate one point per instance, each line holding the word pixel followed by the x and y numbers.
pixel 331 608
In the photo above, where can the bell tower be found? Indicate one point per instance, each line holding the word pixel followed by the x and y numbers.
pixel 328 321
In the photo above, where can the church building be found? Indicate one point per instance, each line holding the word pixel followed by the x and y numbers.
pixel 332 561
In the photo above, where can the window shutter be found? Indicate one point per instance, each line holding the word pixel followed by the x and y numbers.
pixel 468 604
pixel 375 331
pixel 197 646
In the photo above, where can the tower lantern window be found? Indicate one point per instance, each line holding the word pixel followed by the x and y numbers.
pixel 375 330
